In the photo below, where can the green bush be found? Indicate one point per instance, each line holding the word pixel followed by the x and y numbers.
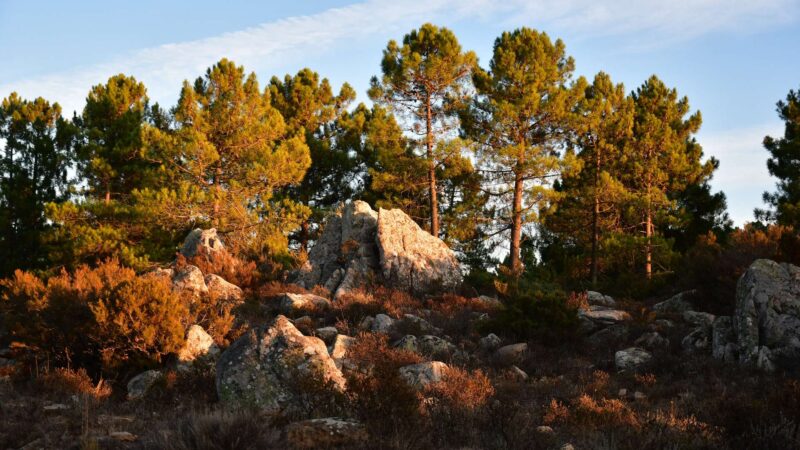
pixel 535 312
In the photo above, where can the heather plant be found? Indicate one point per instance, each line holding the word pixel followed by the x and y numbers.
pixel 105 317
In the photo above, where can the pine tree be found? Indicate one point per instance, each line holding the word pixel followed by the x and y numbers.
pixel 104 220
pixel 230 151
pixel 309 106
pixel 37 145
pixel 662 156
pixel 589 202
pixel 424 79
pixel 783 164
pixel 519 120
pixel 109 150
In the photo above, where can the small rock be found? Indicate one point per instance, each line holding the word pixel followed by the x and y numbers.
pixel 201 242
pixel 609 337
pixel 434 345
pixel 698 341
pixel 190 279
pixel 421 324
pixel 605 316
pixel 56 407
pixel 123 436
pixel 140 385
pixel 622 393
pixel 596 298
pixel 382 324
pixel 327 334
pixel 221 289
pixel 490 342
pixel 424 374
pixel 652 341
pixel 326 433
pixel 544 429
pixel 199 347
pixel 511 354
pixel 567 446
pixel 698 319
pixel 518 374
pixel 408 342
pixel 639 396
pixel 366 323
pixel 338 350
pixel 677 304
pixel 631 358
pixel 291 303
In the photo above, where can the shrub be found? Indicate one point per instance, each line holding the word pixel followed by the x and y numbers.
pixel 218 430
pixel 143 320
pixel 378 395
pixel 462 391
pixel 69 381
pixel 96 317
pixel 534 313
pixel 234 270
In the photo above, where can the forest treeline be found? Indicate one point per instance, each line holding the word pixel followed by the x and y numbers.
pixel 579 181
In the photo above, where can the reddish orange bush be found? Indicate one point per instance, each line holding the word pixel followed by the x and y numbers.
pixel 104 316
pixel 461 390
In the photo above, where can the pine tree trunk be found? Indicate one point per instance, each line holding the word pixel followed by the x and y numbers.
pixel 516 224
pixel 108 193
pixel 595 219
pixel 217 195
pixel 434 203
pixel 304 236
pixel 648 267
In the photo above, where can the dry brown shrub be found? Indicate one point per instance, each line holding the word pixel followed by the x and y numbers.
pixel 603 413
pixel 219 430
pixel 234 270
pixel 450 304
pixel 578 300
pixel 462 390
pixel 71 381
pixel 104 316
pixel 645 379
pixel 395 302
pixel 556 412
pixel 378 395
pixel 272 289
pixel 598 382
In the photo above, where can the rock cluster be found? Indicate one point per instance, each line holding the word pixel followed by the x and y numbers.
pixel 359 245
pixel 260 368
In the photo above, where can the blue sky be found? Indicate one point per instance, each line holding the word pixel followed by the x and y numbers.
pixel 734 59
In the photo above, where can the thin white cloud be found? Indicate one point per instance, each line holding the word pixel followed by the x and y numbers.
pixel 267 46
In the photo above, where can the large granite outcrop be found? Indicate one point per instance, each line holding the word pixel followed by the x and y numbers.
pixel 767 316
pixel 359 245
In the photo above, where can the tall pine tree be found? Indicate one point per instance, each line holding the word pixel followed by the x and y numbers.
pixel 661 158
pixel 424 79
pixel 519 120
pixel 784 164
pixel 37 145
